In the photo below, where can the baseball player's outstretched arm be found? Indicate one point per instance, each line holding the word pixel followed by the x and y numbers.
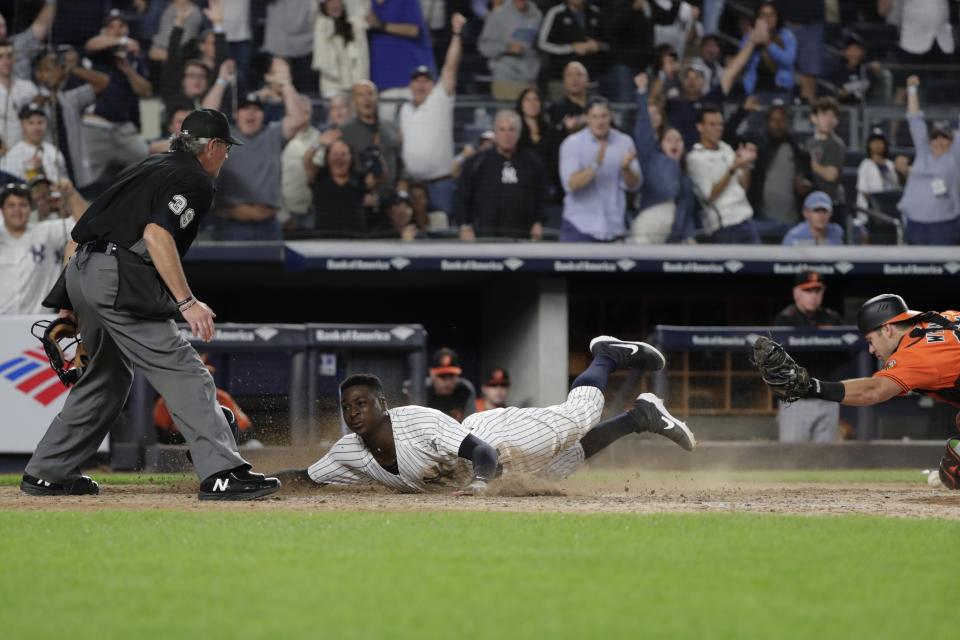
pixel 864 392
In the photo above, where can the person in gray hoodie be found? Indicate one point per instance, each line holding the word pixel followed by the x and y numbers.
pixel 507 41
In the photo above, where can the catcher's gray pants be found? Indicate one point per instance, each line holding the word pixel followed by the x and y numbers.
pixel 116 342
pixel 810 420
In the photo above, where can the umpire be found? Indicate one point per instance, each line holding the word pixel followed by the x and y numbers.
pixel 135 231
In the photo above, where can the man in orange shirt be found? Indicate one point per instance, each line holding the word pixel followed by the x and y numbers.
pixel 920 352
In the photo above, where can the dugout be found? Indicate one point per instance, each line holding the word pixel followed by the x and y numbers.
pixel 533 307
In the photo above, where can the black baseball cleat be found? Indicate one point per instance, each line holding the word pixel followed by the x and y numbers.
pixel 83 486
pixel 628 355
pixel 237 484
pixel 652 415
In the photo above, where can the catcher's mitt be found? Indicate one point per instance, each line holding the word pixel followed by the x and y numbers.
pixel 788 380
pixel 950 465
pixel 69 369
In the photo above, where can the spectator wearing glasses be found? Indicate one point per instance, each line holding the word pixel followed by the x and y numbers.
pixel 248 189
pixel 494 390
pixel 193 85
pixel 191 65
pixel 31 254
pixel 931 198
pixel 447 391
pixel 33 155
pixel 816 227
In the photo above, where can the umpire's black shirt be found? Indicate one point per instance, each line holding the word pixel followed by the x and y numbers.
pixel 170 189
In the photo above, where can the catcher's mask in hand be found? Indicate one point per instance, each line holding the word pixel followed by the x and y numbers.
pixel 68 368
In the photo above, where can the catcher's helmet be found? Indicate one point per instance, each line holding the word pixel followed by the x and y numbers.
pixel 881 310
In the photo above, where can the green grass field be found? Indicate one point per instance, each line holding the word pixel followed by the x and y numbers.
pixel 253 573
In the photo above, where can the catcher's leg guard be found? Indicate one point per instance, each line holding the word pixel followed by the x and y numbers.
pixel 950 465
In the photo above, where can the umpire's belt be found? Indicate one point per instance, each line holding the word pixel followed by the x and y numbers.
pixel 103 246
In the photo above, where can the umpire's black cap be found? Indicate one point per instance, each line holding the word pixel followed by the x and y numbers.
pixel 883 309
pixel 208 123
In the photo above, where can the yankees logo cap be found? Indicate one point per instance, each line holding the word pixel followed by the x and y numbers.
pixel 208 123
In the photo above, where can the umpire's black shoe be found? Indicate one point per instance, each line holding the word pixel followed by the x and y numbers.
pixel 652 416
pixel 83 486
pixel 237 484
pixel 628 355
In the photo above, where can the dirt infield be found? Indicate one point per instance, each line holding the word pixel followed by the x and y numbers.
pixel 630 495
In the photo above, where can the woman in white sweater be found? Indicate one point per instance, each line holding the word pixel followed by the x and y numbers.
pixel 340 50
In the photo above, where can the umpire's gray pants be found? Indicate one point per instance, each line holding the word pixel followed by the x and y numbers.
pixel 116 342
pixel 810 420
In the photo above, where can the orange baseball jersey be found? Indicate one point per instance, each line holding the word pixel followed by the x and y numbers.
pixel 928 364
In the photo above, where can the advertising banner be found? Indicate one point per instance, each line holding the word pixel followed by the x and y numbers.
pixel 31 395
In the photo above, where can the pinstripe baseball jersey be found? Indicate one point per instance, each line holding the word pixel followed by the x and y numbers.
pixel 427 442
pixel 528 439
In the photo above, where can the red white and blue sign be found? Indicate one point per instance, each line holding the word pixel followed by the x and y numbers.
pixel 31 394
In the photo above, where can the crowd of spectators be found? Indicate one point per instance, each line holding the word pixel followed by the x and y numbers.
pixel 645 121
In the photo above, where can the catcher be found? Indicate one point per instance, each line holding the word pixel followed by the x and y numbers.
pixel 920 352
